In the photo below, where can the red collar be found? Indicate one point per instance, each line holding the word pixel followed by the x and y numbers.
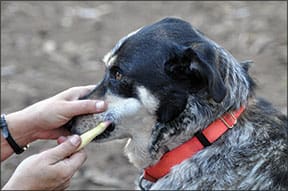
pixel 192 146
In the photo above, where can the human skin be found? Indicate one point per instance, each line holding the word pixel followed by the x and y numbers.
pixel 44 120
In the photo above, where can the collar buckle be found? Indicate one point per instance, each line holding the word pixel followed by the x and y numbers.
pixel 229 120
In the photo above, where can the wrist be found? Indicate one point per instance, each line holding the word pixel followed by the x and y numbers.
pixel 15 184
pixel 21 129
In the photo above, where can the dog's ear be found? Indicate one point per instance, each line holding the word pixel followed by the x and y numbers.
pixel 197 63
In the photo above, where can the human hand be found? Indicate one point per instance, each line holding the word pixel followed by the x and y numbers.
pixel 43 119
pixel 49 170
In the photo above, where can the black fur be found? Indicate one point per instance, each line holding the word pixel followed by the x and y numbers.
pixel 190 81
pixel 190 69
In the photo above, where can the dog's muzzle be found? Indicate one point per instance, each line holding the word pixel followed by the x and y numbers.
pixel 117 112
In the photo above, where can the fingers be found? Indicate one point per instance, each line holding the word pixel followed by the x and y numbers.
pixel 64 150
pixel 61 139
pixel 53 133
pixel 63 159
pixel 80 107
pixel 75 93
pixel 63 186
pixel 74 162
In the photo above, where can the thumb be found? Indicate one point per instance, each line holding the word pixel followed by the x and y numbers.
pixel 61 139
pixel 63 150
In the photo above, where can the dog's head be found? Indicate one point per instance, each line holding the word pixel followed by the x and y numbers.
pixel 153 71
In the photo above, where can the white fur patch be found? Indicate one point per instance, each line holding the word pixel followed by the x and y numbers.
pixel 109 61
pixel 149 101
pixel 122 107
pixel 107 57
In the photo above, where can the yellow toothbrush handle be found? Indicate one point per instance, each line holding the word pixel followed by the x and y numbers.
pixel 88 136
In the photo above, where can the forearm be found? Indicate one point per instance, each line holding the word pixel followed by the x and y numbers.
pixel 20 129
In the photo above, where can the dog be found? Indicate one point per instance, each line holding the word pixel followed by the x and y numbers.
pixel 184 84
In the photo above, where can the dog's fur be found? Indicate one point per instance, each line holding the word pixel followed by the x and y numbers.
pixel 184 81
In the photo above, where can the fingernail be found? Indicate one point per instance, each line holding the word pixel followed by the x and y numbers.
pixel 100 105
pixel 75 140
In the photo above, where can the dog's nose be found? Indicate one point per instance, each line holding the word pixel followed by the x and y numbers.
pixel 110 117
pixel 98 92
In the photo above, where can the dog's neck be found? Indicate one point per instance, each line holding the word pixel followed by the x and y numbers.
pixel 199 141
pixel 198 114
pixel 166 136
pixel 147 148
pixel 201 111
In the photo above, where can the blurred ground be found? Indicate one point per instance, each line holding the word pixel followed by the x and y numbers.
pixel 47 47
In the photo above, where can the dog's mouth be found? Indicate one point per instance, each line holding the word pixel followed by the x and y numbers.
pixel 119 113
pixel 106 133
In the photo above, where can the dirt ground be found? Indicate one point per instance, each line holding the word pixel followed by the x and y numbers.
pixel 47 47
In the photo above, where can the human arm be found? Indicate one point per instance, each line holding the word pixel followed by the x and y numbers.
pixel 43 119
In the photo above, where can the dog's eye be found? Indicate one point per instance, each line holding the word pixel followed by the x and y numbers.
pixel 118 76
pixel 116 73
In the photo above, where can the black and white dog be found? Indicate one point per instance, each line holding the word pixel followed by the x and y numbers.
pixel 207 130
